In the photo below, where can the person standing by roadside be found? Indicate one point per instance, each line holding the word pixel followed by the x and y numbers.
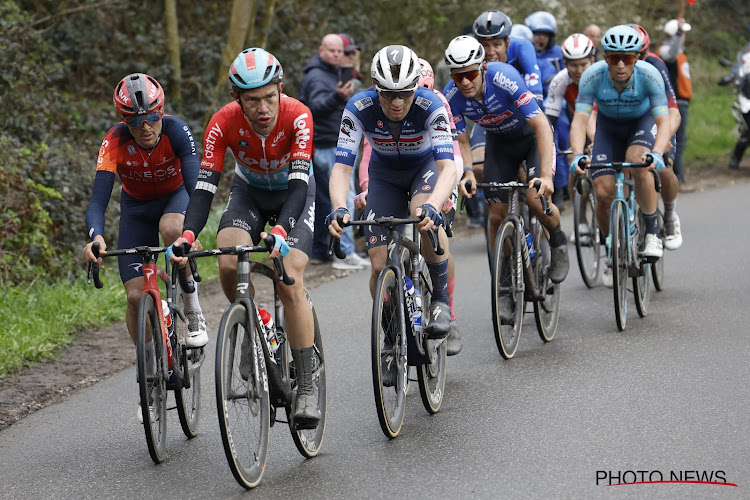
pixel 326 95
pixel 594 33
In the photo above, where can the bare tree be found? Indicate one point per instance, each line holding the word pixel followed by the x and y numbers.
pixel 173 47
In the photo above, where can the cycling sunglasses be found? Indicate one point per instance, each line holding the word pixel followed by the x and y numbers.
pixel 392 94
pixel 138 120
pixel 471 74
pixel 614 59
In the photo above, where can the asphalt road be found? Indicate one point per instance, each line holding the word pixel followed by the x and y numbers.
pixel 667 396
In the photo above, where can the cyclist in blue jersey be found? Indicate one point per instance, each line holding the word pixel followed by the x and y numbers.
pixel 411 168
pixel 631 101
pixel 517 131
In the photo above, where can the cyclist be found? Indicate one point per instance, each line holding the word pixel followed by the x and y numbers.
pixel 517 131
pixel 155 156
pixel 631 100
pixel 270 136
pixel 670 185
pixel 427 80
pixel 412 159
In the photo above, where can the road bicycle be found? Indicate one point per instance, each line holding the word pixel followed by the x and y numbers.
pixel 398 340
pixel 589 248
pixel 520 271
pixel 174 366
pixel 255 372
pixel 625 238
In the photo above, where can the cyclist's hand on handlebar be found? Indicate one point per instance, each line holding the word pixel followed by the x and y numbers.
pixel 280 246
pixel 332 223
pixel 547 186
pixel 431 218
pixel 360 201
pixel 468 176
pixel 657 160
pixel 187 238
pixel 575 168
pixel 89 255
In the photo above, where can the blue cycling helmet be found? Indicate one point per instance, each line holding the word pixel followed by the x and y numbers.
pixel 541 21
pixel 254 68
pixel 522 31
pixel 491 25
pixel 622 38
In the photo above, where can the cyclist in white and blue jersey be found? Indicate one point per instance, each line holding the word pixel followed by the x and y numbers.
pixel 631 103
pixel 411 168
pixel 516 132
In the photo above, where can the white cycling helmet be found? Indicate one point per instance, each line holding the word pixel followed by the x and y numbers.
pixel 577 46
pixel 395 67
pixel 464 51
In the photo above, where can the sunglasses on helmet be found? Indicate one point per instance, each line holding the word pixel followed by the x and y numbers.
pixel 138 120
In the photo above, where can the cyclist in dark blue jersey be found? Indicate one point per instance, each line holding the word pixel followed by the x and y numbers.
pixel 517 132
pixel 411 168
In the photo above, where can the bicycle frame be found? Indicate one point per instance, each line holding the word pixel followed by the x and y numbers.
pixel 629 203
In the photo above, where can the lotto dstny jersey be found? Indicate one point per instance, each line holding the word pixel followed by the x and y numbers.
pixel 645 92
pixel 425 131
pixel 522 56
pixel 506 105
pixel 149 175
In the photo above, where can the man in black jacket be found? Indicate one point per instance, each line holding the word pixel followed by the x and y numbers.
pixel 324 93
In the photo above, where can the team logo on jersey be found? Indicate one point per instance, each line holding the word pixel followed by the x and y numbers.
pixel 532 79
pixel 347 126
pixel 277 139
pixel 380 123
pixel 363 103
pixel 494 119
pixel 505 83
pixel 440 123
pixel 525 98
pixel 243 143
pixel 423 103
pixel 242 132
pixel 131 149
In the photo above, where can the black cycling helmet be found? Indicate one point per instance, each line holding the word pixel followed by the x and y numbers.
pixel 491 25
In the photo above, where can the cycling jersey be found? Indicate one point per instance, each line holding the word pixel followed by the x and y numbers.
pixel 562 89
pixel 145 175
pixel 656 62
pixel 425 132
pixel 645 91
pixel 506 102
pixel 276 162
pixel 522 56
pixel 550 63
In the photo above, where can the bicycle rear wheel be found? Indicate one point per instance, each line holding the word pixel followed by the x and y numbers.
pixel 389 369
pixel 242 396
pixel 152 379
pixel 547 311
pixel 188 399
pixel 507 290
pixel 431 376
pixel 641 281
pixel 310 441
pixel 620 262
pixel 588 246
pixel 657 268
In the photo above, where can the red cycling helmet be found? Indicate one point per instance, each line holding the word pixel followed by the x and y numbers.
pixel 138 94
pixel 427 75
pixel 645 39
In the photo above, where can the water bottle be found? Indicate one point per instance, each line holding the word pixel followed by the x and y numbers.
pixel 530 245
pixel 167 316
pixel 414 303
pixel 267 320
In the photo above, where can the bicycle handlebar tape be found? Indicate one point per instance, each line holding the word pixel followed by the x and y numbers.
pixel 335 244
pixel 182 274
pixel 545 204
pixel 94 267
pixel 657 181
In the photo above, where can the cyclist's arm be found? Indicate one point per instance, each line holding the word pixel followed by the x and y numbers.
pixel 104 181
pixel 347 148
pixel 578 131
pixel 465 146
pixel 663 134
pixel 546 145
pixel 183 145
pixel 299 170
pixel 556 96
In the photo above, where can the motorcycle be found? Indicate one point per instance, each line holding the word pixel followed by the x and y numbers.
pixel 740 76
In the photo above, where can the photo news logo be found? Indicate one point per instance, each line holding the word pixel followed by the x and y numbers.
pixel 631 477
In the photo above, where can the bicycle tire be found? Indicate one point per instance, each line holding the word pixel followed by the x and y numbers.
pixel 244 435
pixel 431 376
pixel 588 247
pixel 309 441
pixel 620 262
pixel 386 342
pixel 642 281
pixel 657 268
pixel 152 388
pixel 547 311
pixel 487 239
pixel 188 400
pixel 505 266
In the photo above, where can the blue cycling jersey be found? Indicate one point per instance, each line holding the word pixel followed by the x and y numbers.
pixel 645 91
pixel 507 103
pixel 550 63
pixel 522 56
pixel 425 131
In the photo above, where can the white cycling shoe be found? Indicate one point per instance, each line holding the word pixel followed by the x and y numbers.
pixel 197 335
pixel 607 279
pixel 652 246
pixel 673 240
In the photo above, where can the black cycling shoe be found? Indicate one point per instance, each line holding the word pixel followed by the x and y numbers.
pixel 559 264
pixel 454 343
pixel 439 325
pixel 306 411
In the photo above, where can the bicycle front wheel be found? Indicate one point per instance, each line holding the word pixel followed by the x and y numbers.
pixel 389 369
pixel 619 230
pixel 642 280
pixel 431 376
pixel 188 399
pixel 507 290
pixel 152 380
pixel 547 311
pixel 310 441
pixel 657 268
pixel 586 230
pixel 242 396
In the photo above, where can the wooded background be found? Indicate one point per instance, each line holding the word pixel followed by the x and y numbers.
pixel 60 61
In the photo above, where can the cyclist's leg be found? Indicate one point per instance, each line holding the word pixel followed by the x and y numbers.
pixel 501 162
pixel 670 188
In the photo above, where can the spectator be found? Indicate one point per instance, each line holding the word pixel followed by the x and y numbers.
pixel 594 33
pixel 351 60
pixel 323 92
pixel 672 51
